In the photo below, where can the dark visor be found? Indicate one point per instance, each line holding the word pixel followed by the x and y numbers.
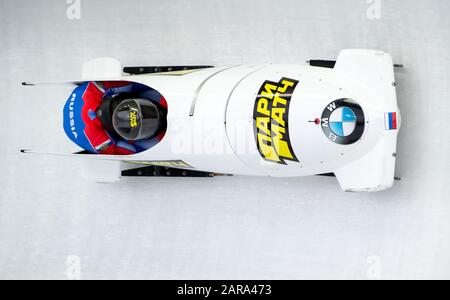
pixel 136 119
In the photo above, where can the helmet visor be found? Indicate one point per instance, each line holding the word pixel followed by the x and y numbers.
pixel 136 119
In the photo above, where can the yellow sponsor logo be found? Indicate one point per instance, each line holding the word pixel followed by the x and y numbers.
pixel 133 119
pixel 271 114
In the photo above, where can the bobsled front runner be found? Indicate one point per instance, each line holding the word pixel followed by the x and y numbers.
pixel 269 120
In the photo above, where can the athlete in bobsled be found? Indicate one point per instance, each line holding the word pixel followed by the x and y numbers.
pixel 327 117
pixel 116 118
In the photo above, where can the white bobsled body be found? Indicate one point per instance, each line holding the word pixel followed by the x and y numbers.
pixel 277 120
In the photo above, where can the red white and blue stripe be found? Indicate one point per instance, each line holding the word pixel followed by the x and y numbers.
pixel 391 121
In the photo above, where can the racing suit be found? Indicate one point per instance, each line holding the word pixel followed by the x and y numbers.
pixel 84 128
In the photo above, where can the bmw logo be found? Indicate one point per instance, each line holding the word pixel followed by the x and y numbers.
pixel 343 121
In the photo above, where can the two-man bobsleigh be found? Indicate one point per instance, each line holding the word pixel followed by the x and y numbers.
pixel 265 120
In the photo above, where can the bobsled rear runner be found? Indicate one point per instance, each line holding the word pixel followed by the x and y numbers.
pixel 274 120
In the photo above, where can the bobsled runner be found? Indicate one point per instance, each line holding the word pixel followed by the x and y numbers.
pixel 339 117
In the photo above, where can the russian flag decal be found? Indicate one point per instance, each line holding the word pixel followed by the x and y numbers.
pixel 391 121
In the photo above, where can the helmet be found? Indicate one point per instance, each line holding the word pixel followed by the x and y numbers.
pixel 136 119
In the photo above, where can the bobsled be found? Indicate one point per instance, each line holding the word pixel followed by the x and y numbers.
pixel 325 117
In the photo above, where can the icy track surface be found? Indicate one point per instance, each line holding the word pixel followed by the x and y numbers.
pixel 55 225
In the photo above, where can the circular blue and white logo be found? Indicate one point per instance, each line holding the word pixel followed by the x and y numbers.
pixel 343 121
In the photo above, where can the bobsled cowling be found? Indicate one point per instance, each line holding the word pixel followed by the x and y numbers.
pixel 276 120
